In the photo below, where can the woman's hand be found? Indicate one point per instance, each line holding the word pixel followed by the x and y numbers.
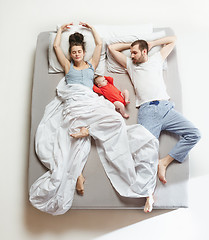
pixel 64 62
pixel 65 27
pixel 98 44
pixel 85 25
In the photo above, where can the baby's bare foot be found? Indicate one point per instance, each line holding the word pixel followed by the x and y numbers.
pixel 125 115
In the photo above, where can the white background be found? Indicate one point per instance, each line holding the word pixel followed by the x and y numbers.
pixel 20 23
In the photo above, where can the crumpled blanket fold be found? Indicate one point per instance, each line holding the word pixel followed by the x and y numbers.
pixel 129 154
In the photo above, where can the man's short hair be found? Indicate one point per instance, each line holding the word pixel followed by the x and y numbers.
pixel 142 44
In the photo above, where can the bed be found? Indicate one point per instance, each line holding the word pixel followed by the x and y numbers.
pixel 99 193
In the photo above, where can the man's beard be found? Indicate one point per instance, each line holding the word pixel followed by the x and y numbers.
pixel 139 60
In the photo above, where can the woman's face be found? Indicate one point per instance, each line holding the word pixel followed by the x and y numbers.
pixel 77 53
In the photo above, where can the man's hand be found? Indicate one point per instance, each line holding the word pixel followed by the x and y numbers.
pixel 150 45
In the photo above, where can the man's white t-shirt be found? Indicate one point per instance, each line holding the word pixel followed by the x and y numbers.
pixel 147 79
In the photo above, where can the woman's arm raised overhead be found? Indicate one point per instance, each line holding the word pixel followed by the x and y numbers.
pixel 59 53
pixel 98 42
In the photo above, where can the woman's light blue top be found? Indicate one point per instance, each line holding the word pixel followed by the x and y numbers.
pixel 84 77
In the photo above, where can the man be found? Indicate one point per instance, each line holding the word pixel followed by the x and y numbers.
pixel 156 112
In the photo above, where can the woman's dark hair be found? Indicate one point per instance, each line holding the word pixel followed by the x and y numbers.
pixel 76 39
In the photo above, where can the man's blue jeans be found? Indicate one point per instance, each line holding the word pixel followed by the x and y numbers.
pixel 161 115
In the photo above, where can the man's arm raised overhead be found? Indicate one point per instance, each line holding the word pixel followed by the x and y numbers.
pixel 116 51
pixel 168 42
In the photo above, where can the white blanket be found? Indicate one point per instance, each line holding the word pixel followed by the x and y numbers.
pixel 129 154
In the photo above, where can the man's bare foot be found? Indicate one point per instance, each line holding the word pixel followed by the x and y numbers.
pixel 80 185
pixel 149 204
pixel 162 171
pixel 84 132
pixel 162 166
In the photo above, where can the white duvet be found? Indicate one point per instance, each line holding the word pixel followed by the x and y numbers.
pixel 129 154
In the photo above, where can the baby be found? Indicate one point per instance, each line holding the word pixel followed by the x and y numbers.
pixel 104 86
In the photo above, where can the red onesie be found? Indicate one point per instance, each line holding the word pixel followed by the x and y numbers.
pixel 110 91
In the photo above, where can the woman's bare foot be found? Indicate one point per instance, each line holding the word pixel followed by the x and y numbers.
pixel 84 132
pixel 80 185
pixel 149 204
pixel 162 166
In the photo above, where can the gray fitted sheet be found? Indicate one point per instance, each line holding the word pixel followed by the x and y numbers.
pixel 99 193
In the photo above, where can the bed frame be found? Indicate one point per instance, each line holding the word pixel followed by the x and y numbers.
pixel 99 193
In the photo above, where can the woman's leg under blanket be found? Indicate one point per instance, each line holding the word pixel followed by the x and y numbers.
pixel 53 192
pixel 144 148
pixel 108 129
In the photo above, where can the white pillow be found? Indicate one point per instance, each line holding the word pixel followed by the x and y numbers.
pixel 106 32
pixel 113 66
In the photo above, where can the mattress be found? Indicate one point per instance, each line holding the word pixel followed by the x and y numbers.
pixel 99 193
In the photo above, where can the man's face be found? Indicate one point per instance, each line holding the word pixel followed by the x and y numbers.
pixel 137 55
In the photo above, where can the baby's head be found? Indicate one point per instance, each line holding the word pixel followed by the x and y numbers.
pixel 100 81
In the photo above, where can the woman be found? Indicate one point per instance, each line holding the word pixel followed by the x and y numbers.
pixel 128 153
pixel 77 52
